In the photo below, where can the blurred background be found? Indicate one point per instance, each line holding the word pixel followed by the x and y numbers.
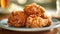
pixel 7 6
pixel 10 5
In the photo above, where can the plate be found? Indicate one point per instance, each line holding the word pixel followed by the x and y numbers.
pixel 3 24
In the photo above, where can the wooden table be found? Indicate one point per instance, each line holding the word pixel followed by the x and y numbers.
pixel 5 31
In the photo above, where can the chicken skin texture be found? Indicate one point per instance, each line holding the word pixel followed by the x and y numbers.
pixel 34 21
pixel 32 16
pixel 34 9
pixel 17 19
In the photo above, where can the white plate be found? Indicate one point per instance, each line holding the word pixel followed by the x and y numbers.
pixel 4 25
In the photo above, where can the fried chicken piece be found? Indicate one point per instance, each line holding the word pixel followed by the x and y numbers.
pixel 34 21
pixel 49 22
pixel 44 16
pixel 17 19
pixel 34 9
pixel 47 19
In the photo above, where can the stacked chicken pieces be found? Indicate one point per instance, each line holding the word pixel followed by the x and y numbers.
pixel 33 16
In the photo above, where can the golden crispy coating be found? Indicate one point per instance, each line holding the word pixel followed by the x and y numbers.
pixel 44 16
pixel 34 9
pixel 17 19
pixel 34 21
pixel 47 19
pixel 33 16
pixel 49 22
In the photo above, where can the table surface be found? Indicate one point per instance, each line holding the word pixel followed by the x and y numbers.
pixel 5 31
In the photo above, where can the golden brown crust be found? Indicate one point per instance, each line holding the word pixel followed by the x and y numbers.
pixel 17 19
pixel 49 22
pixel 34 9
pixel 34 21
pixel 47 19
pixel 33 16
